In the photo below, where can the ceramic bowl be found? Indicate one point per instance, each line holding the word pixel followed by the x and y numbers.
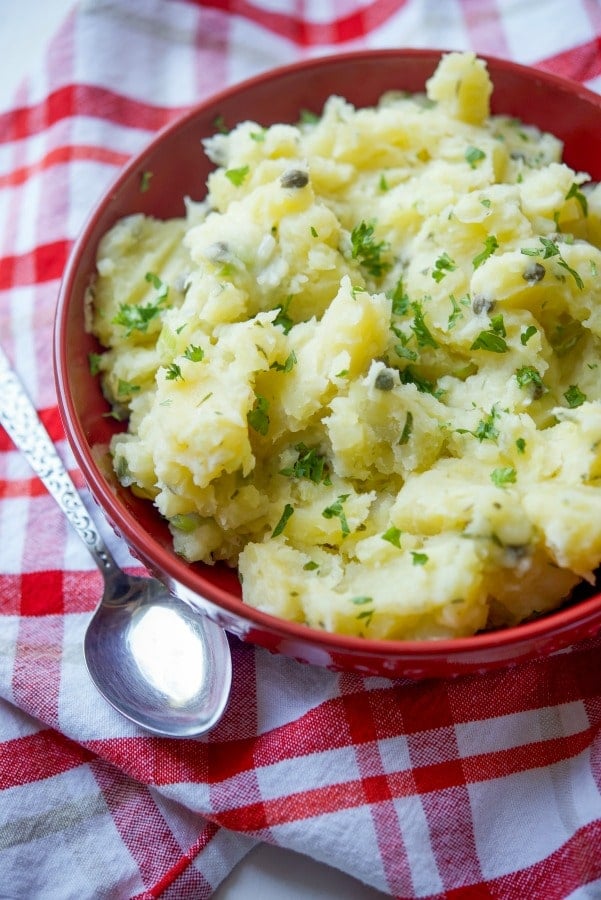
pixel 180 169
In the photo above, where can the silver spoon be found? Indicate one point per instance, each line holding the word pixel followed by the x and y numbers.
pixel 159 662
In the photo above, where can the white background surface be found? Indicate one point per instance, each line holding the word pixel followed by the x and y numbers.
pixel 269 872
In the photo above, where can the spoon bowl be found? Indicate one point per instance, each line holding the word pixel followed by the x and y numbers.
pixel 155 659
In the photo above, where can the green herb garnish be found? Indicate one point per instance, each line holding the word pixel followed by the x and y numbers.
pixel 288 510
pixel 136 317
pixel 400 300
pixel 145 179
pixel 420 329
pixel 528 375
pixel 308 117
pixel 393 536
pixel 237 176
pixel 310 464
pixel 335 510
pixel 125 388
pixel 574 396
pixel 503 475
pixel 528 332
pixel 490 245
pixel 194 353
pixel 283 319
pixel 486 430
pixel 407 428
pixel 367 251
pixel 286 366
pixel 491 341
pixel 258 417
pixel 94 360
pixel 473 155
pixel 443 265
pixel 173 372
pixel 577 194
pixel 548 249
pixel 419 559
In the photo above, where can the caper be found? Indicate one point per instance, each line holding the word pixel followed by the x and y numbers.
pixel 384 380
pixel 482 304
pixel 295 178
pixel 535 272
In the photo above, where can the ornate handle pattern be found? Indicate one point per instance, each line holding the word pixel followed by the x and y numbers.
pixel 21 421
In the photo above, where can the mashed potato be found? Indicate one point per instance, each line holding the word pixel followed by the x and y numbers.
pixel 366 369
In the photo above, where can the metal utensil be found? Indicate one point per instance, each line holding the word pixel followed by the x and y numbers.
pixel 158 661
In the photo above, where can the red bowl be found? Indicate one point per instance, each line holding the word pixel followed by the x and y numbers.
pixel 180 169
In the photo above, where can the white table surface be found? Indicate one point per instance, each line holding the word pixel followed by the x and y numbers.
pixel 269 872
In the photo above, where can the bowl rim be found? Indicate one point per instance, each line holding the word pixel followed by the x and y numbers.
pixel 543 628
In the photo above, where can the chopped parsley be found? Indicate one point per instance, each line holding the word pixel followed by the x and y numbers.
pixel 314 232
pixel 443 265
pixel 528 375
pixel 503 475
pixel 366 614
pixel 486 430
pixel 174 372
pixel 574 396
pixel 402 349
pixel 125 388
pixel 310 464
pixel 493 339
pixel 473 156
pixel 283 319
pixel 407 428
pixel 194 353
pixel 368 251
pixel 335 510
pixel 409 376
pixel 258 136
pixel 420 329
pixel 383 184
pixel 145 179
pixel 456 311
pixel 288 510
pixel 548 249
pixel 419 559
pixel 287 365
pixel 136 317
pixel 308 117
pixel 400 300
pixel 520 445
pixel 490 245
pixel 258 417
pixel 577 194
pixel 161 286
pixel 219 125
pixel 94 362
pixel 237 176
pixel 528 332
pixel 393 536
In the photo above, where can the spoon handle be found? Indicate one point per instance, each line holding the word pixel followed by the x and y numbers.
pixel 21 421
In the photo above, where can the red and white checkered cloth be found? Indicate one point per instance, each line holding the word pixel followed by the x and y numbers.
pixel 487 786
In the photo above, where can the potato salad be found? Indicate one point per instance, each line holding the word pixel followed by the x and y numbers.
pixel 364 369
